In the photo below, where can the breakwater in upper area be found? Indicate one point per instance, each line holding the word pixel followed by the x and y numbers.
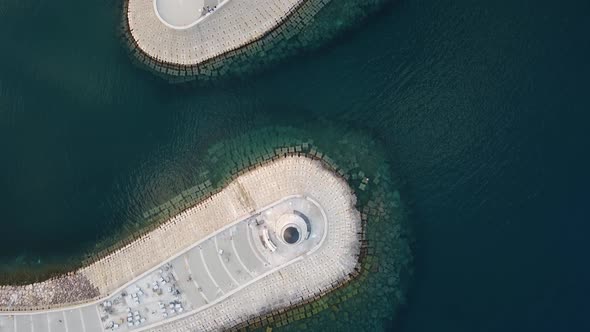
pixel 195 55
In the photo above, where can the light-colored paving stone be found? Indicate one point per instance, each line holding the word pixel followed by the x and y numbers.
pixel 7 323
pixel 24 323
pixel 91 319
pixel 56 321
pixel 73 319
pixel 233 24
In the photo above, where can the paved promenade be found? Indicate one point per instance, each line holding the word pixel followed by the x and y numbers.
pixel 167 31
pixel 273 237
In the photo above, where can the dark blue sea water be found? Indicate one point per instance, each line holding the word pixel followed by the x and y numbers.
pixel 483 106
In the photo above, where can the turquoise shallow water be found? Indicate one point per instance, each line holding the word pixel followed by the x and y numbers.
pixel 482 109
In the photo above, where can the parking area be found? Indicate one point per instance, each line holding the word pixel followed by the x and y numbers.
pixel 201 276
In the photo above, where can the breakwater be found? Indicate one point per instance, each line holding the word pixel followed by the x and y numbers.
pixel 238 39
pixel 384 261
pixel 310 265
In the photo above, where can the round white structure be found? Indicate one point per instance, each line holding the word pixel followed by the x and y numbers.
pixel 189 32
pixel 179 14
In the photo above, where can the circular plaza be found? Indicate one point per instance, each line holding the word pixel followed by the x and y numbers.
pixel 190 32
pixel 179 14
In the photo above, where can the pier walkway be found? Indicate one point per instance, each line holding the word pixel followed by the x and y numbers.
pixel 294 234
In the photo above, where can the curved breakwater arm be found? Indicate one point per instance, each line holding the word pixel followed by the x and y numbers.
pixel 231 25
pixel 278 234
